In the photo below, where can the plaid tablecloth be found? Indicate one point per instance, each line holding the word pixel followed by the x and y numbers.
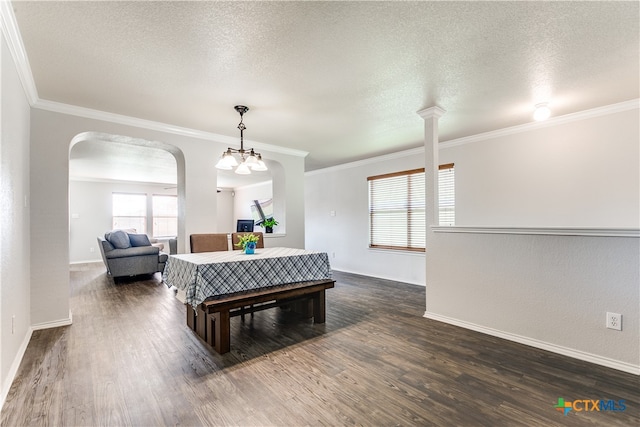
pixel 207 274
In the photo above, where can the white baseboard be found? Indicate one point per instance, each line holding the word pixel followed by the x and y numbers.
pixel 6 386
pixel 379 277
pixel 54 323
pixel 565 351
pixel 89 261
pixel 14 367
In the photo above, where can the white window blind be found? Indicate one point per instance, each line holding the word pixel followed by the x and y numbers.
pixel 446 195
pixel 397 210
pixel 130 211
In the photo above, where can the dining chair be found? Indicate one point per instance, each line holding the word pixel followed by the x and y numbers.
pixel 213 242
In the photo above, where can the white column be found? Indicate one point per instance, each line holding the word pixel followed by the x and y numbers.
pixel 431 116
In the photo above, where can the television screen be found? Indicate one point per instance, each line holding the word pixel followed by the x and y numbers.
pixel 245 225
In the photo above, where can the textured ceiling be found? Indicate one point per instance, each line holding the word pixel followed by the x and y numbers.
pixel 341 80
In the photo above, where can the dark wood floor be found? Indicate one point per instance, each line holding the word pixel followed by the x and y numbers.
pixel 129 359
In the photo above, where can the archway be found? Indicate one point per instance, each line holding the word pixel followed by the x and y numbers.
pixel 137 149
pixel 244 190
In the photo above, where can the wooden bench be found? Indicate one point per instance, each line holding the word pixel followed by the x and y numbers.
pixel 211 320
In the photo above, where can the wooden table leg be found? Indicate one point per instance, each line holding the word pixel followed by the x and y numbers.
pixel 222 331
pixel 318 307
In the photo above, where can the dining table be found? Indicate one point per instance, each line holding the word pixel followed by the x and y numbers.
pixel 198 276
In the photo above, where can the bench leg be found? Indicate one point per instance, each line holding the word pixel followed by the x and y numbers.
pixel 222 331
pixel 201 324
pixel 303 307
pixel 318 307
pixel 211 331
pixel 242 311
pixel 191 317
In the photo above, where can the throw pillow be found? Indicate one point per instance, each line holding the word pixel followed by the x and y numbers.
pixel 119 239
pixel 139 240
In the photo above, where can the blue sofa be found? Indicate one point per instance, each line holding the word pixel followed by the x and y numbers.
pixel 129 254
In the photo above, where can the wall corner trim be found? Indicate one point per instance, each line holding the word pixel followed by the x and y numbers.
pixel 565 351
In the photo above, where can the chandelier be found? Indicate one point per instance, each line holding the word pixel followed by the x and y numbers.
pixel 248 159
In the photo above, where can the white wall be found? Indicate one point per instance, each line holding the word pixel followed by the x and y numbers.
pixel 14 220
pixel 343 190
pixel 578 173
pixel 549 291
pixel 90 210
pixel 570 187
pixel 225 219
pixel 51 136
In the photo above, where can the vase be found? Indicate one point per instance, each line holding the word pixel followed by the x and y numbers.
pixel 268 229
pixel 250 248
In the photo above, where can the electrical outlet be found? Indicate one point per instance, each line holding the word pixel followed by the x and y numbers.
pixel 92 249
pixel 13 324
pixel 614 321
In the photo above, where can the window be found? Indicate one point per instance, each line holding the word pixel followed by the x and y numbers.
pixel 165 216
pixel 397 210
pixel 397 207
pixel 130 211
pixel 446 195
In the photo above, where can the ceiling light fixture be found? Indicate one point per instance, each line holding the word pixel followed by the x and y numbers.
pixel 542 112
pixel 249 159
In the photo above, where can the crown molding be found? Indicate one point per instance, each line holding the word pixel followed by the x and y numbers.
pixel 58 107
pixel 18 53
pixel 581 115
pixel 371 160
pixel 11 33
pixel 554 121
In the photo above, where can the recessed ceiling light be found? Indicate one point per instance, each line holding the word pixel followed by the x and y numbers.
pixel 542 112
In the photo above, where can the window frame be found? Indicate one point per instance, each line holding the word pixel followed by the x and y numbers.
pixel 446 205
pixel 407 210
